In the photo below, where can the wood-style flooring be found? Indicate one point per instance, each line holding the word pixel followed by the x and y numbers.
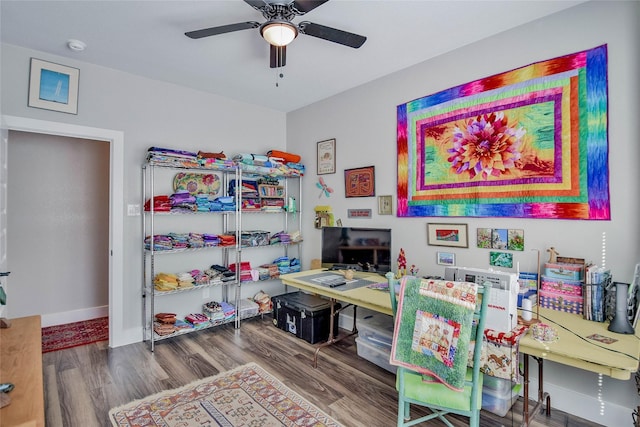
pixel 83 383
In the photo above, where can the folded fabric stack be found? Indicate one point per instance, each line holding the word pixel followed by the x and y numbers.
pixel 226 203
pixel 161 203
pixel 160 242
pixel 210 240
pixel 253 159
pixel 163 328
pixel 215 276
pixel 198 320
pixel 165 282
pixel 169 318
pixel 280 238
pixel 172 156
pixel 196 240
pixel 202 203
pixel 183 201
pixel 179 240
pixel 264 302
pixel 227 239
pixel 199 277
pixel 185 280
pixel 214 310
pixel 228 309
pixel 206 155
pixel 274 272
pixel 225 274
pixel 283 264
pixel 181 324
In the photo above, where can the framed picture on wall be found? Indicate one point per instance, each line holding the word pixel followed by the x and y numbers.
pixel 360 182
pixel 326 157
pixel 53 86
pixel 454 235
pixel 445 258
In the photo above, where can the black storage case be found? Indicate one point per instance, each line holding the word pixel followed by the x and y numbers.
pixel 304 315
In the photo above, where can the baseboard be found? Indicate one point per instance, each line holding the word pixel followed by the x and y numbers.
pixel 590 408
pixel 63 318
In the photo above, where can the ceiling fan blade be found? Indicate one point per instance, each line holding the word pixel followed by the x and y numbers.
pixel 256 4
pixel 206 32
pixel 304 6
pixel 277 56
pixel 331 34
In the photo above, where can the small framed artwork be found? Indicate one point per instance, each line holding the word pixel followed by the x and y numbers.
pixel 501 259
pixel 445 258
pixel 53 86
pixel 385 205
pixel 454 235
pixel 360 182
pixel 326 157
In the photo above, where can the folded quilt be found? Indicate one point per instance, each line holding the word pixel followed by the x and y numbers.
pixel 433 328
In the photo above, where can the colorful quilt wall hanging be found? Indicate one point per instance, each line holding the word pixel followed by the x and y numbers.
pixel 527 143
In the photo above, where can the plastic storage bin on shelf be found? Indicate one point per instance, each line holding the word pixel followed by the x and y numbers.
pixel 378 355
pixel 499 401
pixel 305 316
pixel 247 308
pixel 371 324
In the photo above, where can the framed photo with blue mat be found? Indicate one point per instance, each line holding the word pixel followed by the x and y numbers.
pixel 53 86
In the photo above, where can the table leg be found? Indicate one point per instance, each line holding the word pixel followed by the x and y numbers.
pixel 333 339
pixel 543 397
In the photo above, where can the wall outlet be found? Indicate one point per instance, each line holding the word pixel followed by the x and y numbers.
pixel 205 293
pixel 133 210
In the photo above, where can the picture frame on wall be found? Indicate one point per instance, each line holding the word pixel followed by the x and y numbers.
pixel 445 258
pixel 53 86
pixel 454 235
pixel 326 161
pixel 360 182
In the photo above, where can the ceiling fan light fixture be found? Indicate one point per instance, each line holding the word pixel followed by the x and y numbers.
pixel 279 33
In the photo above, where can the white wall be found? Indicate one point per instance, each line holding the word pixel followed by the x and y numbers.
pixel 363 121
pixel 148 113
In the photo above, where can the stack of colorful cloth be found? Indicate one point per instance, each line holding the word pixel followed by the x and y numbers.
pixel 210 240
pixel 185 280
pixel 161 203
pixel 179 240
pixel 160 242
pixel 196 240
pixel 200 277
pixel 214 311
pixel 183 201
pixel 198 320
pixel 164 282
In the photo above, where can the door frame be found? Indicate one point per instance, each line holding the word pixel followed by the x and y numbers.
pixel 116 205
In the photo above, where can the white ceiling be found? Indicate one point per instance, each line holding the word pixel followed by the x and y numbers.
pixel 147 38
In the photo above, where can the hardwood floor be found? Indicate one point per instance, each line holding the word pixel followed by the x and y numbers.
pixel 83 383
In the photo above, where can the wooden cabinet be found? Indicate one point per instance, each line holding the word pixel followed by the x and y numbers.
pixel 21 365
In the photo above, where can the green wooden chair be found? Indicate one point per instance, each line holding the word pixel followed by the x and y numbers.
pixel 440 399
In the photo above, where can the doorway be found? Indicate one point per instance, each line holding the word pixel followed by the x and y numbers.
pixel 58 227
pixel 115 139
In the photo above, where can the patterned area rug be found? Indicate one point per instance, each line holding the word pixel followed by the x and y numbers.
pixel 74 334
pixel 243 397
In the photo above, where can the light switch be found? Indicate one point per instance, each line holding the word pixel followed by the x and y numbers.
pixel 133 210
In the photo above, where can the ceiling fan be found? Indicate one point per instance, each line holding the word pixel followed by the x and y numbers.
pixel 279 31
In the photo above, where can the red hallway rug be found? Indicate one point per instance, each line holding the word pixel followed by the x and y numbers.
pixel 74 334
